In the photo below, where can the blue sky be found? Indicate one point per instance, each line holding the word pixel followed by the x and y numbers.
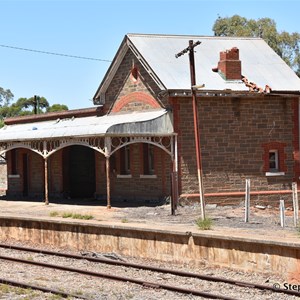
pixel 95 29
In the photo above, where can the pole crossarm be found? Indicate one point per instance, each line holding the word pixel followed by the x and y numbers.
pixel 188 49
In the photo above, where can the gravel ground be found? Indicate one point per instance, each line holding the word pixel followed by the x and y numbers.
pixel 97 288
pixel 265 222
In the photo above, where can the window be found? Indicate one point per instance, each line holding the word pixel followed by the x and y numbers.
pixel 134 74
pixel 125 160
pixel 14 156
pixel 274 158
pixel 148 155
pixel 273 161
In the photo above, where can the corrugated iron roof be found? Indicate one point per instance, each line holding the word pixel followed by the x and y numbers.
pixel 260 63
pixel 156 122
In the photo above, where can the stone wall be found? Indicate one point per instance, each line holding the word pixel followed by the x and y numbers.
pixel 135 186
pixel 233 135
pixel 124 85
pixel 3 176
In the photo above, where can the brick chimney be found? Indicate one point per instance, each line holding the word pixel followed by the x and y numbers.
pixel 229 66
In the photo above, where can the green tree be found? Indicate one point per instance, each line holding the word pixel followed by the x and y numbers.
pixel 24 106
pixel 286 45
pixel 40 104
pixel 57 107
pixel 5 96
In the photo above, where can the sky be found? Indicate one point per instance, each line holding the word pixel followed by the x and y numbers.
pixel 95 29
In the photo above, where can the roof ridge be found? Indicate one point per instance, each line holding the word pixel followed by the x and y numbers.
pixel 153 35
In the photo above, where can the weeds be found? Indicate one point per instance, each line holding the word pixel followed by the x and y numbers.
pixel 77 216
pixel 204 224
pixel 71 215
pixel 124 220
pixel 54 214
pixel 83 217
pixel 67 215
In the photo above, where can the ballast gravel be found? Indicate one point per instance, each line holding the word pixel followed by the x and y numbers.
pixel 99 288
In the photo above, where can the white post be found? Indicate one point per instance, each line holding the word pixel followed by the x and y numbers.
pixel 295 204
pixel 247 201
pixel 282 213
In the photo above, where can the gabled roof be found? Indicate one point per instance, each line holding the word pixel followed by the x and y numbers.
pixel 260 64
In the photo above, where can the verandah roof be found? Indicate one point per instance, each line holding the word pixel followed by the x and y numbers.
pixel 151 122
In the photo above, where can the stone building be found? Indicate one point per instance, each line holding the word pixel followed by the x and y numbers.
pixel 142 130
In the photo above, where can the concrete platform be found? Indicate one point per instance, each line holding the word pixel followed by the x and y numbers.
pixel 154 233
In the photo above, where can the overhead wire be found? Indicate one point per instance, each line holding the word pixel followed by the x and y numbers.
pixel 54 53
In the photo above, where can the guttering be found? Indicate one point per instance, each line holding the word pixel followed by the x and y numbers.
pixel 231 93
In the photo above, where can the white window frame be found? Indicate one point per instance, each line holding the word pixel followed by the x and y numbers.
pixel 276 161
pixel 274 171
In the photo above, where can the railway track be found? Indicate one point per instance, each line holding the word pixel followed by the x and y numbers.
pixel 140 282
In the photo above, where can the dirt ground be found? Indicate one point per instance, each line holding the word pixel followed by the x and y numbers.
pixel 264 222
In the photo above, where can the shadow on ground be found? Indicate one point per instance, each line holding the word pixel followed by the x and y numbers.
pixel 119 203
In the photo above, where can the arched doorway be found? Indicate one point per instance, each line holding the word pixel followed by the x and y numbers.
pixel 79 172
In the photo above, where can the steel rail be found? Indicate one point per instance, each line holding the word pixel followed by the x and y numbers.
pixel 119 278
pixel 39 288
pixel 155 269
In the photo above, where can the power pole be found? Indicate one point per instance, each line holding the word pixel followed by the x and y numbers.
pixel 35 104
pixel 190 50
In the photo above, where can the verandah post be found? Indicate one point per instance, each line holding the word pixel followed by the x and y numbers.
pixel 107 149
pixel 108 182
pixel 46 180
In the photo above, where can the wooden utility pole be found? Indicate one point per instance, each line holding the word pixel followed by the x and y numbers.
pixel 190 50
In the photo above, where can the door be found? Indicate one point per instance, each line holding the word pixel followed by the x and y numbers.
pixel 81 172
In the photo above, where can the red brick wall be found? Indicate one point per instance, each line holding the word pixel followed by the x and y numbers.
pixel 232 135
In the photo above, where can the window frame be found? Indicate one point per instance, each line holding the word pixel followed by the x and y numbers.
pixel 276 168
pixel 278 148
pixel 125 160
pixel 148 159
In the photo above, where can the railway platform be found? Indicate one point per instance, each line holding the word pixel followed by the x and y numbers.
pixel 151 231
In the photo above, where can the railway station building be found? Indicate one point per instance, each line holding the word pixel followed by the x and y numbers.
pixel 140 133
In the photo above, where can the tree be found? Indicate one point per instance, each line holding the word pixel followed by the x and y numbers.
pixel 24 106
pixel 37 104
pixel 5 96
pixel 286 45
pixel 57 107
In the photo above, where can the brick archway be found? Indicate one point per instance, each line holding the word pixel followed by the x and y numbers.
pixel 144 99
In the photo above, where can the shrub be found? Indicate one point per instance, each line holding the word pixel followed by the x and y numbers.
pixel 204 224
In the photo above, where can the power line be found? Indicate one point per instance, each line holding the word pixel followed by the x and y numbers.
pixel 53 53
